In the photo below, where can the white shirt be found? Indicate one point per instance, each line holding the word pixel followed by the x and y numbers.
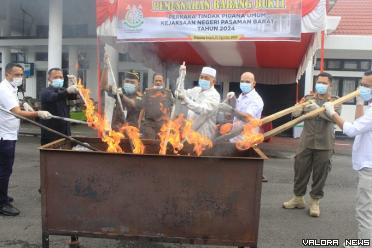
pixel 204 103
pixel 250 103
pixel 9 124
pixel 361 129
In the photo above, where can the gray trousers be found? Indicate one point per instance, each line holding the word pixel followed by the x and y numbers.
pixel 311 162
pixel 364 204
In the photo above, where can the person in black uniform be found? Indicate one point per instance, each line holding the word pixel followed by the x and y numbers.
pixel 54 100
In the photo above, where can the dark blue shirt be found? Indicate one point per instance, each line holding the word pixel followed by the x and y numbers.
pixel 54 100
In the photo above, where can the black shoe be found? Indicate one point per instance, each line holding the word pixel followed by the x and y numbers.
pixel 9 210
pixel 10 199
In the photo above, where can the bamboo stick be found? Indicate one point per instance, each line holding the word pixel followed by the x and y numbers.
pixel 264 120
pixel 311 114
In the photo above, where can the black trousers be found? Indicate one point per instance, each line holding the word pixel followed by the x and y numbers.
pixel 7 151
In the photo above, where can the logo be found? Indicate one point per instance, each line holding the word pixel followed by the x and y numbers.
pixel 133 17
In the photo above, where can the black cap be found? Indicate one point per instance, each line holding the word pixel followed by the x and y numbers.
pixel 132 74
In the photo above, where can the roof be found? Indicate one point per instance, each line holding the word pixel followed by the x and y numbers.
pixel 355 15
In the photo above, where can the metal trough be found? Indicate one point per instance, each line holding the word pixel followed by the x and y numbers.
pixel 213 199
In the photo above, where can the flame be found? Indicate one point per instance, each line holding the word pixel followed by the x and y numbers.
pixel 200 142
pixel 226 128
pixel 170 132
pixel 250 137
pixel 133 134
pixel 97 121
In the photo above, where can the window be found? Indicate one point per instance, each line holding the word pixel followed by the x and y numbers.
pixel 344 64
pixel 351 65
pixel 335 86
pixel 333 64
pixel 17 57
pixel 124 57
pixel 41 56
pixel 349 85
pixel 365 65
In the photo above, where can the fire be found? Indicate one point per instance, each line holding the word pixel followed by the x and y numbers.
pixel 176 132
pixel 226 128
pixel 133 134
pixel 250 137
pixel 200 142
pixel 170 132
pixel 97 121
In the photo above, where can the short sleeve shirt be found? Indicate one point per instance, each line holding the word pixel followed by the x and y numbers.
pixel 8 100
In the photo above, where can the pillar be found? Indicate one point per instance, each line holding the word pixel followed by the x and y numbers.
pixel 55 33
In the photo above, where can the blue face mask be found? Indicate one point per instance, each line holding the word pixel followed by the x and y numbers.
pixel 321 88
pixel 246 87
pixel 204 84
pixel 129 88
pixel 365 93
pixel 57 83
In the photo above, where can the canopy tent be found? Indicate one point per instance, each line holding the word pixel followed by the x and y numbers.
pixel 289 55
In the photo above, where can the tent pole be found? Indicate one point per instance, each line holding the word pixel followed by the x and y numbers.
pixel 322 51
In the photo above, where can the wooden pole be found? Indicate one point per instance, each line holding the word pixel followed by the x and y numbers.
pixel 311 114
pixel 264 120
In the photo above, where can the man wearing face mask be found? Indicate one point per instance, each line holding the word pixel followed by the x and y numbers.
pixel 54 99
pixel 9 126
pixel 361 129
pixel 202 102
pixel 248 105
pixel 315 150
pixel 131 100
pixel 157 104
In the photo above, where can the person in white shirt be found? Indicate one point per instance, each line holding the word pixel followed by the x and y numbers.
pixel 202 102
pixel 361 129
pixel 248 105
pixel 9 131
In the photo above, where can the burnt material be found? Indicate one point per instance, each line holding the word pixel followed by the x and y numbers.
pixel 208 200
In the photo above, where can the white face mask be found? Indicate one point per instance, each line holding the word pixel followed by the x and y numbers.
pixel 17 81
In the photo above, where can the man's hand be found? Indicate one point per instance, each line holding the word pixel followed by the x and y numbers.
pixel 114 89
pixel 182 70
pixel 72 89
pixel 45 115
pixel 224 107
pixel 179 94
pixel 311 106
pixel 119 91
pixel 359 101
pixel 72 79
pixel 330 109
pixel 27 107
pixel 230 95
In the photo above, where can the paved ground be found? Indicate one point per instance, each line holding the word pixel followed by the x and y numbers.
pixel 278 227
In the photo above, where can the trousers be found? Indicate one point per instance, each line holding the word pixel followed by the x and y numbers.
pixel 315 163
pixel 7 151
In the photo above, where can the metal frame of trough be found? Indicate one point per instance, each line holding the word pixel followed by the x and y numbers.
pixel 212 200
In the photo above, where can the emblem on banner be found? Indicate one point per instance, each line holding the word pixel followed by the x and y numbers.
pixel 133 17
